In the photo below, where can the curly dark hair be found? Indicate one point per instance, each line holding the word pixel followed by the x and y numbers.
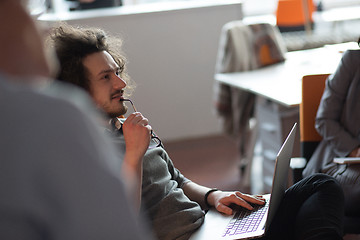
pixel 73 44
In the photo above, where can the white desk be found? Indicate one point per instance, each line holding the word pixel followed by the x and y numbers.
pixel 279 89
pixel 282 82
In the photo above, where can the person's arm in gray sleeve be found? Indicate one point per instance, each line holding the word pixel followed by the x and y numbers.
pixel 336 110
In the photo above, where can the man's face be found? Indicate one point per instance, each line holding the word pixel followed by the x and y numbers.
pixel 106 86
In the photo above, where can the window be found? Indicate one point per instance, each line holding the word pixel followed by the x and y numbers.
pixel 263 7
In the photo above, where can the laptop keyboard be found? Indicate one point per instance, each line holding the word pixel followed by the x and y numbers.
pixel 245 221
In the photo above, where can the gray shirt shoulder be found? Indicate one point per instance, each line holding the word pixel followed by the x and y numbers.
pixel 55 180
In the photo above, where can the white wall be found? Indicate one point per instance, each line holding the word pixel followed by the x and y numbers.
pixel 171 57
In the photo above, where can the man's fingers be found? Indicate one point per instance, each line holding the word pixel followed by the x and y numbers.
pixel 224 209
pixel 143 121
pixel 235 199
pixel 149 127
pixel 137 118
pixel 257 199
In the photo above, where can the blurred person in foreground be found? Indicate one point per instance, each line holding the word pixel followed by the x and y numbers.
pixel 58 177
pixel 175 205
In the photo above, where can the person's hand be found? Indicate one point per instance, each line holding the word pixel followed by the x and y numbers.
pixel 222 200
pixel 355 152
pixel 137 134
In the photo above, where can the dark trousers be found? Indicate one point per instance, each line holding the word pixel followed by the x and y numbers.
pixel 348 176
pixel 313 208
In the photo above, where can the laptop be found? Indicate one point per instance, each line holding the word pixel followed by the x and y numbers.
pixel 220 226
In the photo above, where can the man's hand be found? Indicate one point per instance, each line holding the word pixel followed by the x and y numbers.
pixel 137 134
pixel 222 200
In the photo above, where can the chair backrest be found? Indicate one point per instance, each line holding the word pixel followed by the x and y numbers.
pixel 245 47
pixel 312 90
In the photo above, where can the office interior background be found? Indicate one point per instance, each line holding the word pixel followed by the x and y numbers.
pixel 250 7
pixel 172 48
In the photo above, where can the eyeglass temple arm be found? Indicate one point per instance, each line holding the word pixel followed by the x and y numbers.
pixel 132 104
pixel 153 134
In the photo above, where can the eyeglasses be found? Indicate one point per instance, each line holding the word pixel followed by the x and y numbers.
pixel 154 137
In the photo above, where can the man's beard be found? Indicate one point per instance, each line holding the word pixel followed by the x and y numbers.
pixel 117 110
pixel 118 113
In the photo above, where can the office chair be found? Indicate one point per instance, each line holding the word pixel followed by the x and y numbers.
pixel 312 90
pixel 244 47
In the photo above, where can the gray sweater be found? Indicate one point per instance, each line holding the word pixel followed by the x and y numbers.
pixel 171 213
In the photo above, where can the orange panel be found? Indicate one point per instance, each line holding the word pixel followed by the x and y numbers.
pixel 312 90
pixel 291 12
